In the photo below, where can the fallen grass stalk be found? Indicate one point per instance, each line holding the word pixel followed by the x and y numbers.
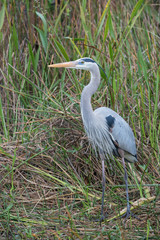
pixel 65 184
pixel 135 205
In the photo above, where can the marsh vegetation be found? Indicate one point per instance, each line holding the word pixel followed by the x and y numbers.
pixel 50 178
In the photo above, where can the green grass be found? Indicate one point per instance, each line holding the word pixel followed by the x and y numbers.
pixel 50 177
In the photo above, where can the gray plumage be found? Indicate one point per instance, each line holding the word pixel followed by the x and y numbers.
pixel 96 127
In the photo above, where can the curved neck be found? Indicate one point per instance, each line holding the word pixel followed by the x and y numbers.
pixel 88 91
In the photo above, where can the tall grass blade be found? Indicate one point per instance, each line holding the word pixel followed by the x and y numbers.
pixel 135 14
pixel 3 122
pixel 35 59
pixel 62 50
pixel 101 21
pixel 43 33
pixel 135 9
pixel 2 15
pixel 44 22
pixel 57 21
pixel 111 29
pixel 155 114
pixel 106 28
pixel 87 29
pixel 75 46
pixel 43 38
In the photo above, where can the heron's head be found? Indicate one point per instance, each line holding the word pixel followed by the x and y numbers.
pixel 82 63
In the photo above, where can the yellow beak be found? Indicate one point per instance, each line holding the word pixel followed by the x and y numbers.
pixel 63 65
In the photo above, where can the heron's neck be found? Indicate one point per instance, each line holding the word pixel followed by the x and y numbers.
pixel 88 91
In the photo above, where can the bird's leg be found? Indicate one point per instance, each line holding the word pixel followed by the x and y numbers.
pixel 103 188
pixel 127 195
pixel 128 213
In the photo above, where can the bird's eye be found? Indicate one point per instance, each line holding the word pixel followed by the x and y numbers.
pixel 81 62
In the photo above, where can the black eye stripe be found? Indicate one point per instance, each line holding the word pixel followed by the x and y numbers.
pixel 88 60
pixel 92 61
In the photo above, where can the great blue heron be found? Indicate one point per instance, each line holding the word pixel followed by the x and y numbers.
pixel 108 131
